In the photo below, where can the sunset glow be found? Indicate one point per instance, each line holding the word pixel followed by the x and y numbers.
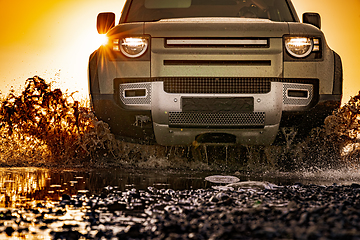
pixel 53 39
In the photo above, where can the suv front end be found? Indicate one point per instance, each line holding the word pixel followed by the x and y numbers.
pixel 212 79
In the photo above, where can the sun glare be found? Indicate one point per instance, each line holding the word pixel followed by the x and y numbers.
pixel 94 41
pixel 102 39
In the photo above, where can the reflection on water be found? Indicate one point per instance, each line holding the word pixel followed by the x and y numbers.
pixel 30 203
pixel 21 186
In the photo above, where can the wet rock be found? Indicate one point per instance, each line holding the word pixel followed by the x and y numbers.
pixel 117 207
pixel 43 227
pixel 7 215
pixel 69 235
pixel 70 226
pixel 60 212
pixel 222 179
pixel 221 198
pixel 65 197
pixel 40 205
pixel 256 185
pixel 133 231
pixel 35 211
pixel 20 230
pixel 9 231
pixel 289 212
pixel 292 205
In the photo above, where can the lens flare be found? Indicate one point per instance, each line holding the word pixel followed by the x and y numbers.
pixel 102 40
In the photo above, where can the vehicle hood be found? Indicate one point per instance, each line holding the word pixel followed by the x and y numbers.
pixel 216 27
pixel 304 29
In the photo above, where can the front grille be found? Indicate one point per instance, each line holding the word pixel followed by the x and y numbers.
pixel 217 63
pixel 216 120
pixel 217 43
pixel 217 85
pixel 213 85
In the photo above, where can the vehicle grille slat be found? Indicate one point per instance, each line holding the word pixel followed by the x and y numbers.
pixel 217 63
pixel 217 85
pixel 217 43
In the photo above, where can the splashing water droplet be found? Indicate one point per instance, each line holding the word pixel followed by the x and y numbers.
pixel 45 123
pixel 44 126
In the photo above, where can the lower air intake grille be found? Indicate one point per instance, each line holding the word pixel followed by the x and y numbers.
pixel 299 101
pixel 218 120
pixel 217 85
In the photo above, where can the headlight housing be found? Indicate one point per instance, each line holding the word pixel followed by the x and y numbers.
pixel 131 47
pixel 301 47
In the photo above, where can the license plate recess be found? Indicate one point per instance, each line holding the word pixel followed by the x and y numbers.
pixel 218 105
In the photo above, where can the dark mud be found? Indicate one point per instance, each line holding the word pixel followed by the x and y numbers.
pixel 118 204
pixel 261 211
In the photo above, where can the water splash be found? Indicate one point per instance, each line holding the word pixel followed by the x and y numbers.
pixel 44 126
pixel 344 127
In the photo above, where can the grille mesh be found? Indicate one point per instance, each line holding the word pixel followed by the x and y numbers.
pixel 217 85
pixel 135 100
pixel 195 119
pixel 297 101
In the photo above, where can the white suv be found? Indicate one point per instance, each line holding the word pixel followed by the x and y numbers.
pixel 212 71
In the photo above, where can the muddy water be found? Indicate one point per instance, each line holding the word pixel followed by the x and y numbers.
pixel 31 206
pixel 44 127
pixel 21 186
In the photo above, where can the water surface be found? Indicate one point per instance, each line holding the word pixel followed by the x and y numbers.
pixel 20 186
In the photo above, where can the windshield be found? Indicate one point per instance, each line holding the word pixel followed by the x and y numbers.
pixel 154 10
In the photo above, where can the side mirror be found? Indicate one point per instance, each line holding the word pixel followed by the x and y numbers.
pixel 313 19
pixel 105 21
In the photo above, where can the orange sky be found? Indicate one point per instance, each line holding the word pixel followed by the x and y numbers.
pixel 49 38
pixel 53 39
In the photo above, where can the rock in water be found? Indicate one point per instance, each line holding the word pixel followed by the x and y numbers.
pixel 222 179
pixel 252 185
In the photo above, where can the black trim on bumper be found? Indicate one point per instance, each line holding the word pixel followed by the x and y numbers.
pixel 304 121
pixel 127 125
pixel 330 97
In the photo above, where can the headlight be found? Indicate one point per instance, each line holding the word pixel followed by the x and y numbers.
pixel 299 47
pixel 131 47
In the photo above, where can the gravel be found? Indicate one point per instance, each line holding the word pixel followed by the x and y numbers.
pixel 257 211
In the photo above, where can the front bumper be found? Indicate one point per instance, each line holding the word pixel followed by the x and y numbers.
pixel 178 124
pixel 159 114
